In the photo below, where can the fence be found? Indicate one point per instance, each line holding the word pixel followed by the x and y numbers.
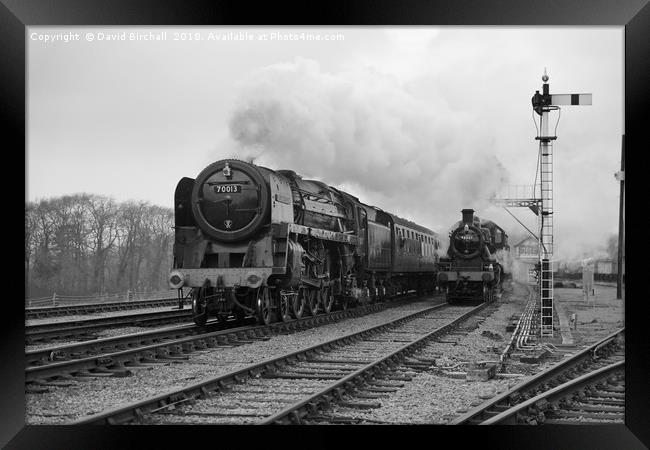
pixel 610 277
pixel 60 300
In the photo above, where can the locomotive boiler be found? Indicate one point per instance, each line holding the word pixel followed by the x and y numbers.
pixel 473 266
pixel 254 241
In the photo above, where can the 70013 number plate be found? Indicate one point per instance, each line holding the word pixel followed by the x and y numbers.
pixel 227 188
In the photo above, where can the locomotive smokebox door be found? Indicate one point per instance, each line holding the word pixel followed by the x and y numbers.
pixel 230 200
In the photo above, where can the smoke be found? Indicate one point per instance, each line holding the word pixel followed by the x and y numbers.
pixel 364 132
pixel 512 266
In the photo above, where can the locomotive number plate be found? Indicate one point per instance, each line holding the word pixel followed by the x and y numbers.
pixel 227 189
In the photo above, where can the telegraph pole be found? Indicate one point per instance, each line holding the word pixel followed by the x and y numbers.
pixel 543 104
pixel 620 176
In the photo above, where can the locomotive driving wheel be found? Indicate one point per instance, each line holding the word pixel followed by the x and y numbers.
pixel 199 306
pixel 285 307
pixel 313 301
pixel 299 303
pixel 264 309
pixel 326 298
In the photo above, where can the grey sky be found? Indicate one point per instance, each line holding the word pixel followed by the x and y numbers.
pixel 412 120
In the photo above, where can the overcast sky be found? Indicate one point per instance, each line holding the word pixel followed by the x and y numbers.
pixel 419 121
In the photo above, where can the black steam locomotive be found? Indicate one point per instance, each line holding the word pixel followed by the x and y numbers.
pixel 253 241
pixel 473 267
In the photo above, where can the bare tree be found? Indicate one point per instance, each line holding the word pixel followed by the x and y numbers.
pixel 103 234
pixel 83 244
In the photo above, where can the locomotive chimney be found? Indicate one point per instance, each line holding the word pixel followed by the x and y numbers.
pixel 468 216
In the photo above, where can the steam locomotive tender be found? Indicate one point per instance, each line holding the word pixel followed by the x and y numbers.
pixel 471 269
pixel 253 241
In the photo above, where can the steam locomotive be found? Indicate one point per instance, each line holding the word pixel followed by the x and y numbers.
pixel 473 267
pixel 251 241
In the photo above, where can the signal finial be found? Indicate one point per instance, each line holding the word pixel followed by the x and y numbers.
pixel 544 77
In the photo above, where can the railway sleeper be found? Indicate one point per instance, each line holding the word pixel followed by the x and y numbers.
pixel 368 395
pixel 385 383
pixel 118 371
pixel 185 347
pixel 298 375
pixel 224 341
pixel 398 377
pixel 359 405
pixel 592 407
pixel 578 422
pixel 87 374
pixel 211 342
pixel 32 388
pixel 603 401
pixel 150 358
pixel 373 388
pixel 584 415
pixel 611 388
pixel 58 383
pixel 597 394
pixel 329 367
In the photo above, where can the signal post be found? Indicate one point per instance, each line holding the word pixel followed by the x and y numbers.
pixel 543 104
pixel 542 202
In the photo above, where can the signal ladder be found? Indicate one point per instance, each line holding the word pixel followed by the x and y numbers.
pixel 546 242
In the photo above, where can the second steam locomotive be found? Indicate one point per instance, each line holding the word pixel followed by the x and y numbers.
pixel 474 265
pixel 254 241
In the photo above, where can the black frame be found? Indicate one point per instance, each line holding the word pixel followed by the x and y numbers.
pixel 16 15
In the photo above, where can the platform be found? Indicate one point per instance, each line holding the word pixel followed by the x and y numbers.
pixel 565 327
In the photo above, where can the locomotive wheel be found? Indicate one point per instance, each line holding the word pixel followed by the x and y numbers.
pixel 326 298
pixel 199 310
pixel 313 301
pixel 285 308
pixel 264 310
pixel 299 303
pixel 486 293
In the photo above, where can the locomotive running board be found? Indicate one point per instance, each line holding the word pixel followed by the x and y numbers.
pixel 281 230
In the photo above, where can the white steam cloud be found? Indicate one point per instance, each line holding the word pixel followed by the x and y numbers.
pixel 363 132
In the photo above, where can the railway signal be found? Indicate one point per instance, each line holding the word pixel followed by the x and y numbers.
pixel 541 202
pixel 543 104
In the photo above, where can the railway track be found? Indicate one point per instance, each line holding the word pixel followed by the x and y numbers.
pixel 116 355
pixel 85 328
pixel 597 397
pixel 575 383
pixel 90 308
pixel 295 387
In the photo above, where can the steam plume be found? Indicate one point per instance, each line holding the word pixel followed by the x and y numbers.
pixel 363 132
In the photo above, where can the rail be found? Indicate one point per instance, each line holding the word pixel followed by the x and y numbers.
pixel 542 381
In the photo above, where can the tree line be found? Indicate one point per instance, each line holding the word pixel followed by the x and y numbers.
pixel 87 244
